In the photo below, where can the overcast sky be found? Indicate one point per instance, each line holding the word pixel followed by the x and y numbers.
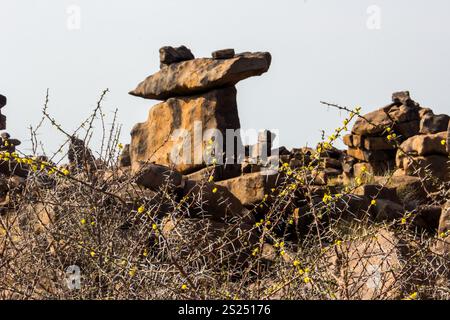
pixel 351 52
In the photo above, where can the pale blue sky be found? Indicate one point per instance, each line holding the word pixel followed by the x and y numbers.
pixel 322 50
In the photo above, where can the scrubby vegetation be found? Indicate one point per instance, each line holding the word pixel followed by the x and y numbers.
pixel 78 226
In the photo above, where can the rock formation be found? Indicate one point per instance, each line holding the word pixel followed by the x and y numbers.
pixel 199 97
pixel 402 135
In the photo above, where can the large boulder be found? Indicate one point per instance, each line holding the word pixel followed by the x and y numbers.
pixel 431 123
pixel 200 75
pixel 371 156
pixel 154 140
pixel 251 188
pixel 215 202
pixel 404 118
pixel 368 268
pixel 434 166
pixel 154 176
pixel 423 145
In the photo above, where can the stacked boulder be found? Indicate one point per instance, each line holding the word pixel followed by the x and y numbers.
pixel 373 143
pixel 427 153
pixel 199 98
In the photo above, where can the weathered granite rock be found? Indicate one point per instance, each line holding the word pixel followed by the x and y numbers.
pixel 153 140
pixel 403 118
pixel 422 145
pixel 377 191
pixel 436 165
pixel 402 97
pixel 251 188
pixel 371 156
pixel 223 54
pixel 377 143
pixel 169 55
pixel 368 268
pixel 200 75
pixel 154 176
pixel 379 168
pixel 431 123
pixel 215 202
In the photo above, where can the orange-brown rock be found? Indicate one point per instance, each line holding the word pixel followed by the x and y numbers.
pixel 422 145
pixel 153 140
pixel 200 75
pixel 434 166
pixel 251 188
pixel 215 202
pixel 371 156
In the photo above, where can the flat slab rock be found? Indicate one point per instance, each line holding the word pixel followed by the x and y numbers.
pixel 200 75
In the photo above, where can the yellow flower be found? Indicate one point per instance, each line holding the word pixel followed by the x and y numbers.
pixel 184 287
pixel 373 202
pixel 93 223
pixel 92 253
pixel 83 221
pixel 120 146
pixel 145 253
pixel 65 172
pixel 306 279
pixel 154 226
pixel 443 142
pixel 141 209
pixel 132 272
pixel 403 221
pixel 211 178
pixel 338 242
pixel 296 263
pixel 214 190
pixel 413 296
pixel 389 137
pixel 282 252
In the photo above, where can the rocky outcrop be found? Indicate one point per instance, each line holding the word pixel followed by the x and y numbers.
pixel 402 136
pixel 199 107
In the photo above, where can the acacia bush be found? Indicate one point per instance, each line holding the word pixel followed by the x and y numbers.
pixel 91 219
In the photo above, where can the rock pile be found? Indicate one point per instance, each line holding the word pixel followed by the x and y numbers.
pixel 376 137
pixel 199 98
